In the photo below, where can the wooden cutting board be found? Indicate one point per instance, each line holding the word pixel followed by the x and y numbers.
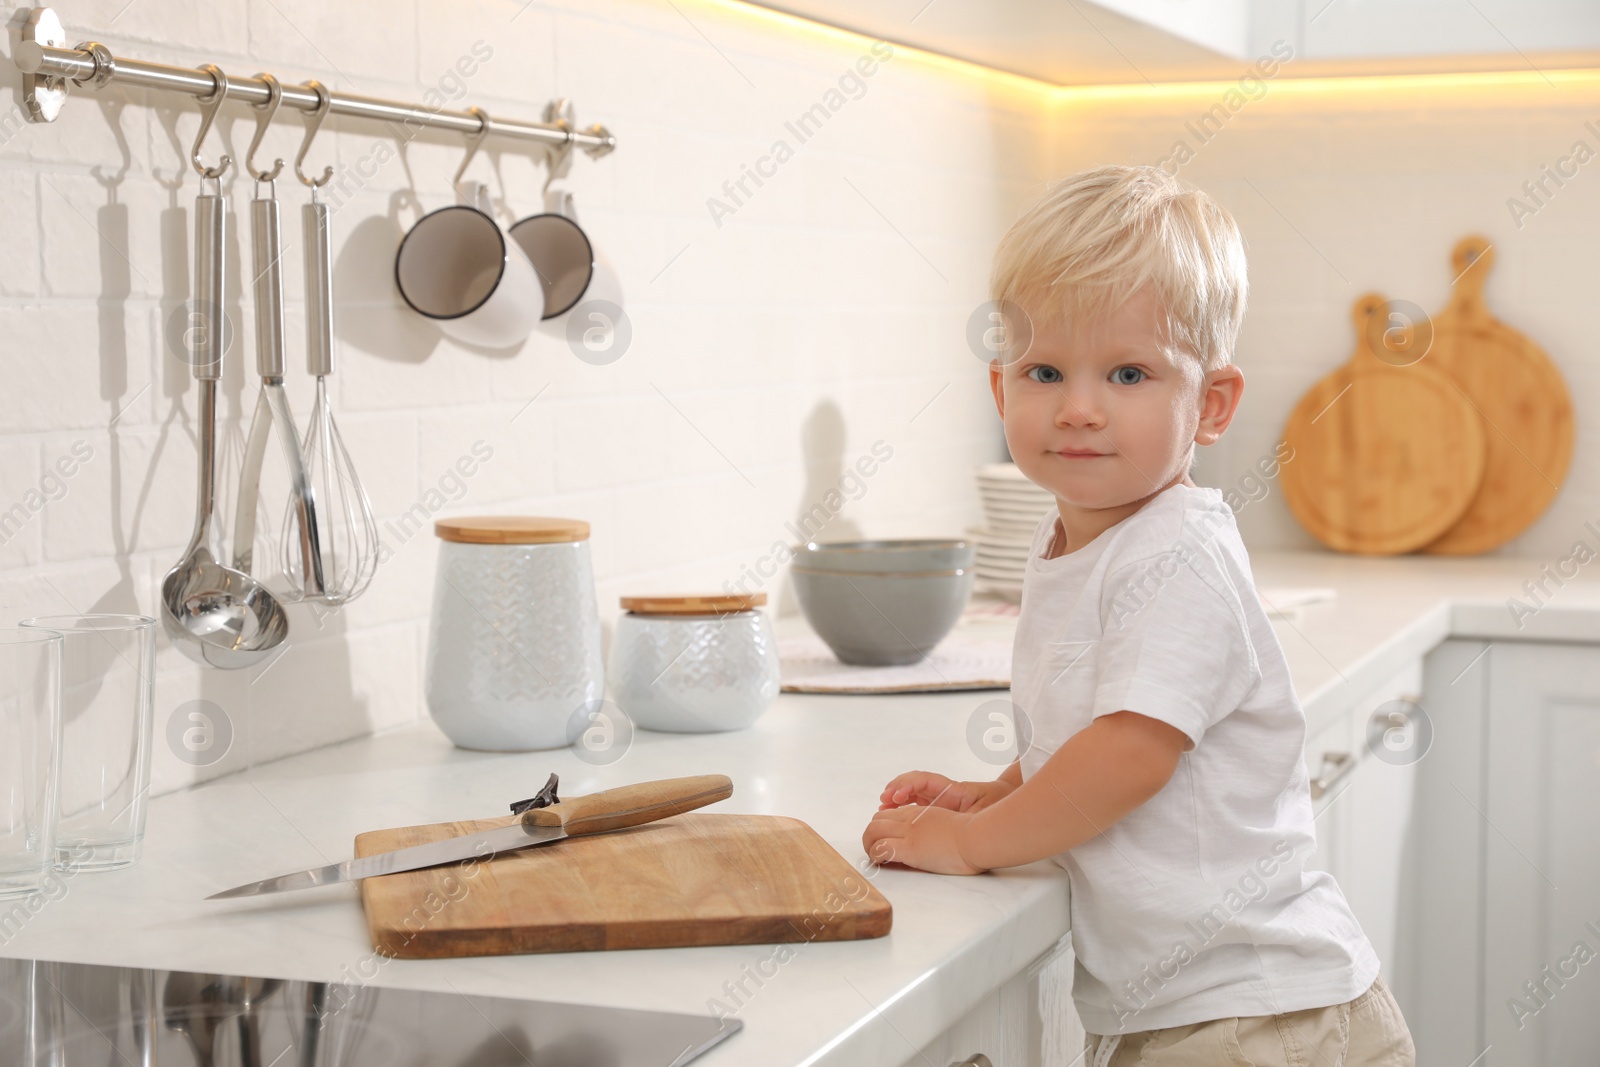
pixel 701 878
pixel 1520 396
pixel 1388 454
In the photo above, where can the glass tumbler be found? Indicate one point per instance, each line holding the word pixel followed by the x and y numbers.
pixel 30 757
pixel 107 688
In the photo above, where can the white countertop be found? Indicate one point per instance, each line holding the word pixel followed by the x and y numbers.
pixel 1389 611
pixel 819 758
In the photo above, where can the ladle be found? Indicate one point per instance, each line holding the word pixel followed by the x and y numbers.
pixel 253 992
pixel 184 1011
pixel 214 614
pixel 196 1005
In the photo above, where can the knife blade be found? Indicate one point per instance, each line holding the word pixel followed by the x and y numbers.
pixel 596 813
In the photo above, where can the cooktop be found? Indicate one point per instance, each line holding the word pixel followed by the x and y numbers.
pixel 69 1014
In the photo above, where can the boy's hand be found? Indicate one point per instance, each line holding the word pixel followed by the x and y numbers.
pixel 935 790
pixel 921 837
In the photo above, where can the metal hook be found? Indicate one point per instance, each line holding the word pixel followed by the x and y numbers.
pixel 558 159
pixel 473 142
pixel 208 112
pixel 268 111
pixel 314 119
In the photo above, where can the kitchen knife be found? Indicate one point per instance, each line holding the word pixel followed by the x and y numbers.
pixel 611 809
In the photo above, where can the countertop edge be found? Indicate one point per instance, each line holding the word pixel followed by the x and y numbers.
pixel 899 1024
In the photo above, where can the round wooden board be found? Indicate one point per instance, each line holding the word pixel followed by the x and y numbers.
pixel 1520 396
pixel 1386 457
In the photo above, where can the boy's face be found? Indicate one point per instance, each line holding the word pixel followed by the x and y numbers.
pixel 1101 415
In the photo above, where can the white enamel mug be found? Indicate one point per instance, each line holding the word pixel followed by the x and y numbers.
pixel 457 267
pixel 598 301
pixel 561 253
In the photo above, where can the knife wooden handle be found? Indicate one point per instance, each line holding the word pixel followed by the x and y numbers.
pixel 630 805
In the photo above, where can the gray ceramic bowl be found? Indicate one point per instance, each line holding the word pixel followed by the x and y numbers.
pixel 883 603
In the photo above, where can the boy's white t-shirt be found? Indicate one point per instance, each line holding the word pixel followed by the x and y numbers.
pixel 1197 905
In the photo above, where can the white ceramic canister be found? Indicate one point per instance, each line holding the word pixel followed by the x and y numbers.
pixel 693 664
pixel 514 647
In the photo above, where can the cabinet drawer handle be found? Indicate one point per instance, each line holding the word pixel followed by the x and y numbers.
pixel 976 1060
pixel 1335 765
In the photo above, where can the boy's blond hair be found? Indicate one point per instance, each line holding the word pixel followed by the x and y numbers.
pixel 1098 236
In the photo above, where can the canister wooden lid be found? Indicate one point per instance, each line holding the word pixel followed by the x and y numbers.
pixel 510 530
pixel 691 604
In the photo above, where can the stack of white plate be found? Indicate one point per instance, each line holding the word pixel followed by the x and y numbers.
pixel 1012 508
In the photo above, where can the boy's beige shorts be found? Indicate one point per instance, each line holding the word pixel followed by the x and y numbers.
pixel 1365 1032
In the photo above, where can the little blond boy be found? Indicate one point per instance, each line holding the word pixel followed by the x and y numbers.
pixel 1164 768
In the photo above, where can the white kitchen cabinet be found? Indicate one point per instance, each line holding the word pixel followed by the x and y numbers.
pixel 1422 29
pixel 1223 26
pixel 1437 978
pixel 988 1029
pixel 1121 41
pixel 1541 938
pixel 1504 883
pixel 1028 1022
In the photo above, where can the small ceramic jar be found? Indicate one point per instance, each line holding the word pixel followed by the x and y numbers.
pixel 514 646
pixel 694 664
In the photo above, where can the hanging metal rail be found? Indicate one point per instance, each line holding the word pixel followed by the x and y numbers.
pixel 48 67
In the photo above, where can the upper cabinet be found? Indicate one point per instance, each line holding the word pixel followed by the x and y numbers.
pixel 1220 26
pixel 1095 42
pixel 1436 34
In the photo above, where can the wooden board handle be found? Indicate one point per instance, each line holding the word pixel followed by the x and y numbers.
pixel 1396 334
pixel 630 805
pixel 1370 315
pixel 1470 261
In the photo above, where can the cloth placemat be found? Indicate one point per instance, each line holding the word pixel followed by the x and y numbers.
pixel 960 661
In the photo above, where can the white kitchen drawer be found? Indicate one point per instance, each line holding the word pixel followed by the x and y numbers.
pixel 1364 815
pixel 1335 751
pixel 1027 1022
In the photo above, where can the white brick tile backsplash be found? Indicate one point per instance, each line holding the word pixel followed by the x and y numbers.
pixel 370 678
pixel 126 492
pixel 108 130
pixel 100 241
pixel 393 358
pixel 546 367
pixel 486 456
pixel 19 221
pixel 71 366
pixel 383 450
pixel 507 52
pixel 217 28
pixel 633 450
pixel 24 497
pixel 355 44
pixel 402 588
pixel 100 585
